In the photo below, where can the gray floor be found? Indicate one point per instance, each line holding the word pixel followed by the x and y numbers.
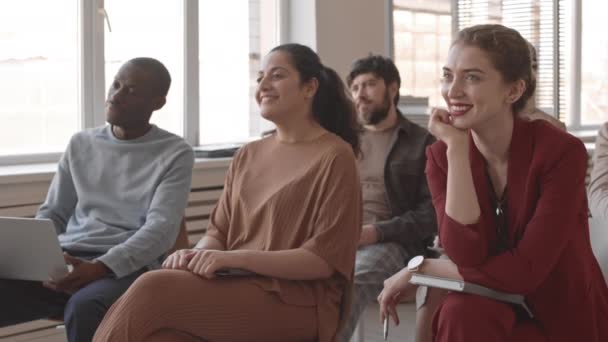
pixel 372 328
pixel 34 331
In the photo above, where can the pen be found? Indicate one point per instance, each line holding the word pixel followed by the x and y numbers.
pixel 385 330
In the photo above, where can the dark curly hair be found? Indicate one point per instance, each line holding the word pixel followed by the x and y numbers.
pixel 381 66
pixel 331 106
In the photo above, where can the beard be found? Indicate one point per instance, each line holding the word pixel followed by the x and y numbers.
pixel 377 113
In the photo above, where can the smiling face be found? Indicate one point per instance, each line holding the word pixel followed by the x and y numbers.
pixel 474 89
pixel 280 93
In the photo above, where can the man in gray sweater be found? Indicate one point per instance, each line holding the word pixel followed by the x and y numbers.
pixel 117 201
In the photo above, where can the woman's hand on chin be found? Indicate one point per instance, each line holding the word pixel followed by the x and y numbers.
pixel 440 125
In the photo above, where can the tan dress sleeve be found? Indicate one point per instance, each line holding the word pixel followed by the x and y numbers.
pixel 598 184
pixel 219 220
pixel 338 224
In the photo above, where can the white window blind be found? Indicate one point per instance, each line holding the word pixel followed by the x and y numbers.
pixel 543 23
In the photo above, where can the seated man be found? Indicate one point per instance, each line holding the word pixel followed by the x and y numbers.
pixel 116 200
pixel 398 215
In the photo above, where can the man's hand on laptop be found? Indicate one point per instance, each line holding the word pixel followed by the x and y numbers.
pixel 83 273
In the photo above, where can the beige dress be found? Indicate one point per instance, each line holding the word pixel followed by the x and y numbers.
pixel 277 196
pixel 282 196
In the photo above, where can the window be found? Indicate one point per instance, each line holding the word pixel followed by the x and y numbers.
pixel 38 68
pixel 594 64
pixel 421 40
pixel 155 31
pixel 263 36
pixel 536 20
pixel 57 61
pixel 573 68
pixel 228 71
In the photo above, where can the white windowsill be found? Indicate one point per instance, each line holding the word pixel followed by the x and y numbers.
pixel 41 172
pixel 25 173
pixel 586 135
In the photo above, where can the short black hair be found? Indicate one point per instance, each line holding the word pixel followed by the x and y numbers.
pixel 381 66
pixel 157 70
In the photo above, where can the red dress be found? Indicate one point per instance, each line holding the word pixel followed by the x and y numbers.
pixel 550 262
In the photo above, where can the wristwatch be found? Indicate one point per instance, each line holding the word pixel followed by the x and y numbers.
pixel 414 264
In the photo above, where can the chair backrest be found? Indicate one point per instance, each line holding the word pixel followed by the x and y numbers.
pixel 182 238
pixel 599 241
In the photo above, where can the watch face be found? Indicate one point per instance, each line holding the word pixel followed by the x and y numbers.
pixel 415 262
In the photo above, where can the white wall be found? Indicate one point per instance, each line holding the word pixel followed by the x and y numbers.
pixel 339 30
pixel 350 29
pixel 301 22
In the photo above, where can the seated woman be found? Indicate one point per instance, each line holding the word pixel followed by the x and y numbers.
pixel 290 212
pixel 428 299
pixel 511 206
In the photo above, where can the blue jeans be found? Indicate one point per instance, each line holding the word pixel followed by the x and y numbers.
pixel 22 301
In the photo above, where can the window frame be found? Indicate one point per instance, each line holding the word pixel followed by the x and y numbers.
pixel 391 7
pixel 91 86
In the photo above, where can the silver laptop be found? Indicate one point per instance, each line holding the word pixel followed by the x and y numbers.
pixel 29 250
